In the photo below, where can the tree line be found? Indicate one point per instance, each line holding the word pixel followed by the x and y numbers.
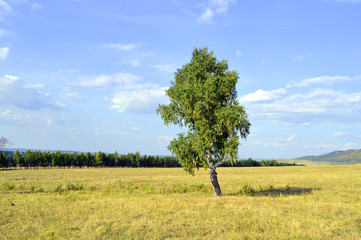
pixel 36 159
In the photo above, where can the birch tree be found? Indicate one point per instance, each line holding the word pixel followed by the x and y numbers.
pixel 203 99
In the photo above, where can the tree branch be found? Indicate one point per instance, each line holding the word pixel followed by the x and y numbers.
pixel 221 162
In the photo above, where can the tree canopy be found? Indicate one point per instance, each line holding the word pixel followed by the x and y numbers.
pixel 203 98
pixel 4 142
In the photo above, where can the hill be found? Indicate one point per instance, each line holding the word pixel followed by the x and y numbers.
pixel 336 157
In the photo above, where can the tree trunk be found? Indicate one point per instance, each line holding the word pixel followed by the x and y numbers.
pixel 214 179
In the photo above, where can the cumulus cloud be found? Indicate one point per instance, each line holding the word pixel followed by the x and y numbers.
pixel 300 58
pixel 165 68
pixel 4 33
pixel 212 8
pixel 303 105
pixel 339 134
pixel 28 117
pixel 326 146
pixel 36 6
pixel 119 80
pixel 164 140
pixel 4 7
pixel 261 95
pixel 4 52
pixel 122 47
pixel 34 85
pixel 328 80
pixel 16 92
pixel 239 53
pixel 350 145
pixel 316 102
pixel 139 101
pixel 291 138
pixel 133 63
pixel 128 92
pixel 71 96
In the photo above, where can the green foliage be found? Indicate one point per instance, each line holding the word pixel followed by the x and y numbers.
pixel 254 163
pixel 74 187
pixel 247 190
pixel 59 188
pixel 70 187
pixel 8 186
pixel 3 160
pixel 59 159
pixel 203 99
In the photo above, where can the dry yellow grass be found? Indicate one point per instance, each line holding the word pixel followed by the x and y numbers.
pixel 310 202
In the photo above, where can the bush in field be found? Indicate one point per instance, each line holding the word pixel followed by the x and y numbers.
pixel 247 190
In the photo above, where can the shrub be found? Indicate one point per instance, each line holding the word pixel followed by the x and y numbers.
pixel 8 186
pixel 247 190
pixel 74 187
pixel 59 188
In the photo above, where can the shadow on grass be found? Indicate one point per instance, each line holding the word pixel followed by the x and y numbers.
pixel 274 192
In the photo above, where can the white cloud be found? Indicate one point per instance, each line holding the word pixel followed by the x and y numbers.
pixel 4 7
pixel 306 106
pixel 261 95
pixel 4 33
pixel 165 68
pixel 139 101
pixel 326 146
pixel 213 7
pixel 8 79
pixel 273 144
pixel 122 47
pixel 254 144
pixel 291 138
pixel 239 53
pixel 4 52
pixel 29 118
pixel 164 140
pixel 36 6
pixel 70 96
pixel 350 145
pixel 62 105
pixel 136 128
pixel 207 15
pixel 328 80
pixel 300 58
pixel 119 80
pixel 339 134
pixel 133 63
pixel 316 101
pixel 16 92
pixel 34 85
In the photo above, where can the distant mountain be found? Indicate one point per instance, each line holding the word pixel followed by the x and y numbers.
pixel 336 157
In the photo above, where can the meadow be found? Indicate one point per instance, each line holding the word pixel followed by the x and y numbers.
pixel 299 202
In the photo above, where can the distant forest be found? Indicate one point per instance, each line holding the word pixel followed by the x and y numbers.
pixel 36 159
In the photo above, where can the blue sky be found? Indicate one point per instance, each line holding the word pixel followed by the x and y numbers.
pixel 88 75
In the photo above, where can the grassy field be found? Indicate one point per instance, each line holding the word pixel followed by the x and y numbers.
pixel 308 202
